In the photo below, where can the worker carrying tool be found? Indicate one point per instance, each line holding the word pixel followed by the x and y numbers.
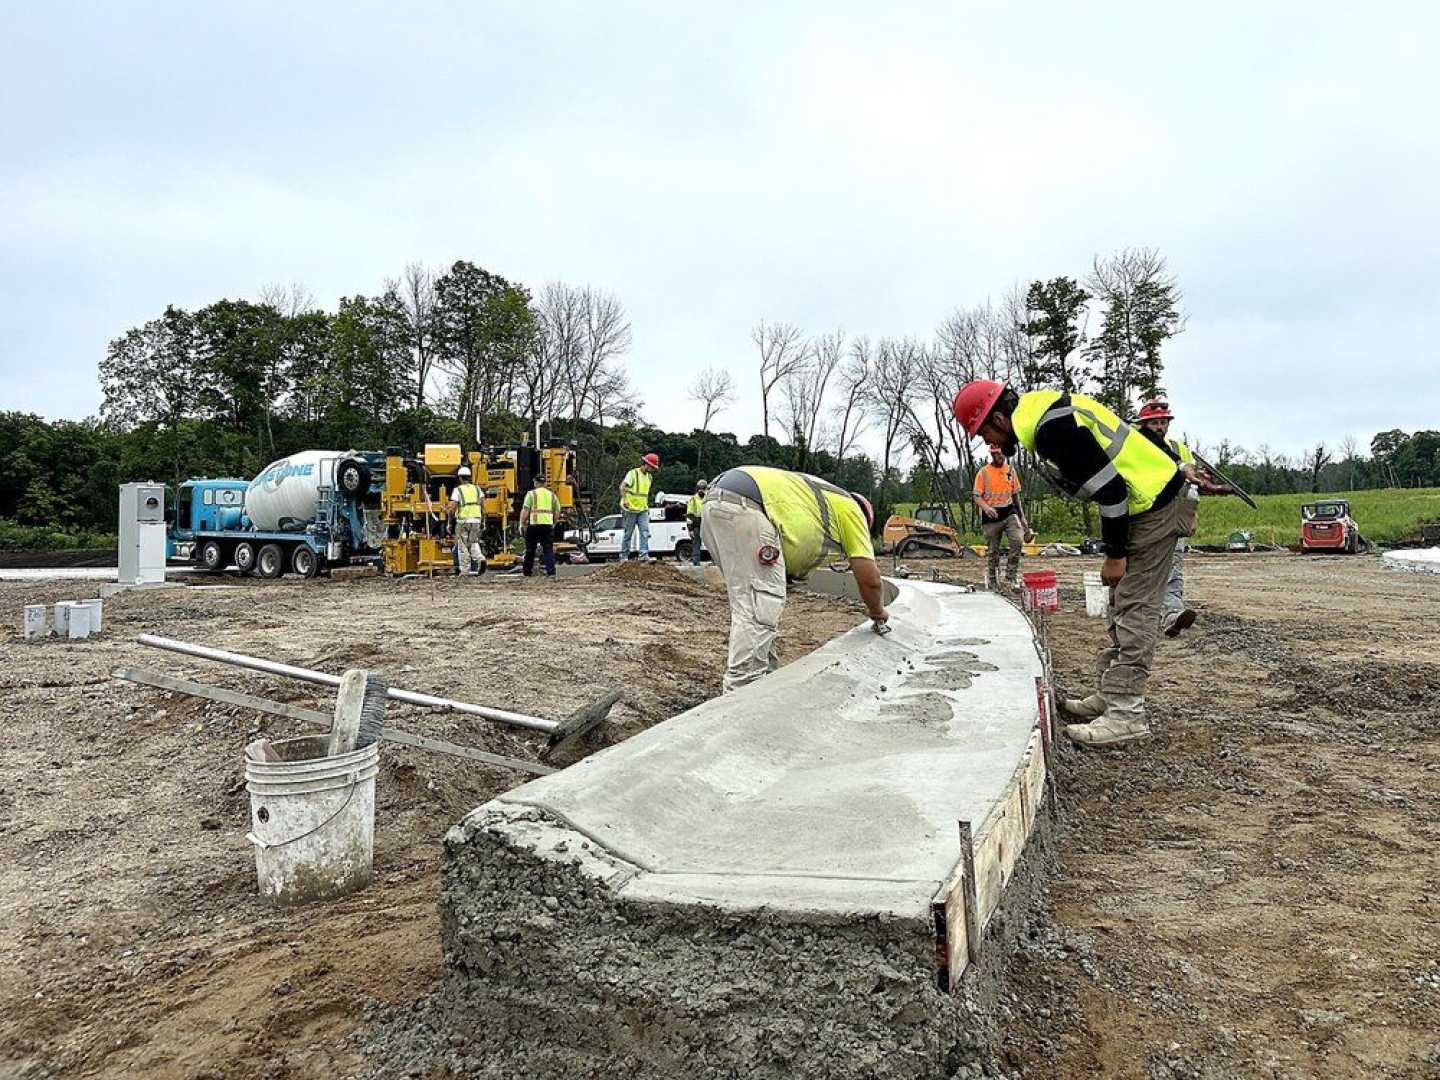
pixel 467 507
pixel 694 513
pixel 1154 419
pixel 537 524
pixel 997 496
pixel 1138 488
pixel 764 527
pixel 635 506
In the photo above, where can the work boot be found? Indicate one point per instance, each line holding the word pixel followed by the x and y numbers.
pixel 1123 722
pixel 1086 708
pixel 1176 621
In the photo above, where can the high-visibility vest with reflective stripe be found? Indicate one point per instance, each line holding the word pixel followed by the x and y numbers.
pixel 996 490
pixel 637 496
pixel 472 503
pixel 1186 457
pixel 1145 468
pixel 542 504
pixel 696 506
pixel 816 520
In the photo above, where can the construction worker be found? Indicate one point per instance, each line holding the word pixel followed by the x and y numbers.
pixel 467 508
pixel 1139 491
pixel 694 513
pixel 997 496
pixel 635 506
pixel 764 527
pixel 1154 422
pixel 537 524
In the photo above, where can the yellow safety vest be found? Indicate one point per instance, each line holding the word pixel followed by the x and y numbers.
pixel 1186 457
pixel 1145 468
pixel 638 496
pixel 695 507
pixel 542 504
pixel 815 519
pixel 472 503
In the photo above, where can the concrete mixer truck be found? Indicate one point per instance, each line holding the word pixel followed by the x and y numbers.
pixel 301 514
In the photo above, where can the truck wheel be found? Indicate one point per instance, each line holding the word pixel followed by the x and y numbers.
pixel 352 477
pixel 269 562
pixel 304 561
pixel 245 557
pixel 212 556
pixel 682 551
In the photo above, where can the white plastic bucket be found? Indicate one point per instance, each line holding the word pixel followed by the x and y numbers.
pixel 72 619
pixel 1097 595
pixel 312 820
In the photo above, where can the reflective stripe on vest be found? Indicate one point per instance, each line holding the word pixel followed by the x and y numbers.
pixel 637 498
pixel 542 515
pixel 472 506
pixel 1145 468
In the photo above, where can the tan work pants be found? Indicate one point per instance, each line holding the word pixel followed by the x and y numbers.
pixel 469 535
pixel 1134 621
pixel 735 529
pixel 1009 527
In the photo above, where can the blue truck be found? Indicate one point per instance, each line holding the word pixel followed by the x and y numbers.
pixel 318 509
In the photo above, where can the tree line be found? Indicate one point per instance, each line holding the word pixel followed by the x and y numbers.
pixel 446 356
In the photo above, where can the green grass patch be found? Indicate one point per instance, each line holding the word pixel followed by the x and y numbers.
pixel 17 537
pixel 1385 516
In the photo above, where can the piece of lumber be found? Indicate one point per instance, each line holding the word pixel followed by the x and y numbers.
pixel 314 716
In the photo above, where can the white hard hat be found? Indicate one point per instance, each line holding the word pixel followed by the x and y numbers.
pixel 464 471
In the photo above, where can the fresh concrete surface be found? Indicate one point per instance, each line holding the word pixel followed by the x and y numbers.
pixel 1421 560
pixel 833 783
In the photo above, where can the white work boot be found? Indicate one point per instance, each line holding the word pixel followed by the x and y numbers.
pixel 1123 722
pixel 1086 708
pixel 1176 621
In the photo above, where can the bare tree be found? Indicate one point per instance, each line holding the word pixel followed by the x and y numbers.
pixel 805 389
pixel 714 390
pixel 289 300
pixel 853 382
pixel 593 380
pixel 1141 303
pixel 1315 461
pixel 781 352
pixel 416 290
pixel 1348 447
pixel 561 312
pixel 892 392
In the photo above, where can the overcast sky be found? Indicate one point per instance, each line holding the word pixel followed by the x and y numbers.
pixel 828 164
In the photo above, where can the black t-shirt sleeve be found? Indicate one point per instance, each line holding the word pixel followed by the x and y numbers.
pixel 1078 457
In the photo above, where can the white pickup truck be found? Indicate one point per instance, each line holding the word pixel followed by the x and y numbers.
pixel 669 532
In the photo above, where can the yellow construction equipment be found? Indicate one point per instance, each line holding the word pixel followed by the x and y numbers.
pixel 415 503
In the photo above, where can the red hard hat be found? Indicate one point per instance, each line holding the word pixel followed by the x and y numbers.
pixel 1156 410
pixel 974 402
pixel 866 507
pixel 653 460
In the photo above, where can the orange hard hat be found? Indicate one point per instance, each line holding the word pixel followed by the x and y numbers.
pixel 1156 410
pixel 653 460
pixel 866 507
pixel 974 401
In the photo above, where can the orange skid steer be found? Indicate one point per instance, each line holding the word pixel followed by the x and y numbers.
pixel 929 533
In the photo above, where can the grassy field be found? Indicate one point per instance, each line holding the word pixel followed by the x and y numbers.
pixel 1385 515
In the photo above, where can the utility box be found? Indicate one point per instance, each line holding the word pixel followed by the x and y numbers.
pixel 142 533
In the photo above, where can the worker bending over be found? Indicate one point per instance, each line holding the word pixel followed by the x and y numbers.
pixel 694 513
pixel 537 524
pixel 467 507
pixel 635 506
pixel 1138 489
pixel 764 527
pixel 997 495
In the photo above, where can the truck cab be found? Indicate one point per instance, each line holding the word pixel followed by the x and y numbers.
pixel 203 506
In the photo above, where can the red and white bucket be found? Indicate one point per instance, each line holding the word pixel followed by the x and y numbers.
pixel 1042 591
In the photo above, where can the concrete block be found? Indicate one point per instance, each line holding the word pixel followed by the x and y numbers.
pixel 36 625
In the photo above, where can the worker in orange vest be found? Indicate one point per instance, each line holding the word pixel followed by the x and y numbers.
pixel 997 495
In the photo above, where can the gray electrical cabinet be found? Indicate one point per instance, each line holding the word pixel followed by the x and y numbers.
pixel 142 533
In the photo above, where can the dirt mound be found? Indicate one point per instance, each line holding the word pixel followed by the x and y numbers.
pixel 652 575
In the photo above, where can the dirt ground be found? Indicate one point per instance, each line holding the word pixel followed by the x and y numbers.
pixel 131 939
pixel 1253 893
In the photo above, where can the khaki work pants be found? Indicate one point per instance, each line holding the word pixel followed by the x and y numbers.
pixel 1134 621
pixel 468 537
pixel 1009 527
pixel 735 529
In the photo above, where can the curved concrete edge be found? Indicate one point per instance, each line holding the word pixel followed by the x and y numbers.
pixel 652 883
pixel 1414 560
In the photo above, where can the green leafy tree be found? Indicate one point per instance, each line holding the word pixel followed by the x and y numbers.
pixel 1141 311
pixel 1055 310
pixel 482 328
